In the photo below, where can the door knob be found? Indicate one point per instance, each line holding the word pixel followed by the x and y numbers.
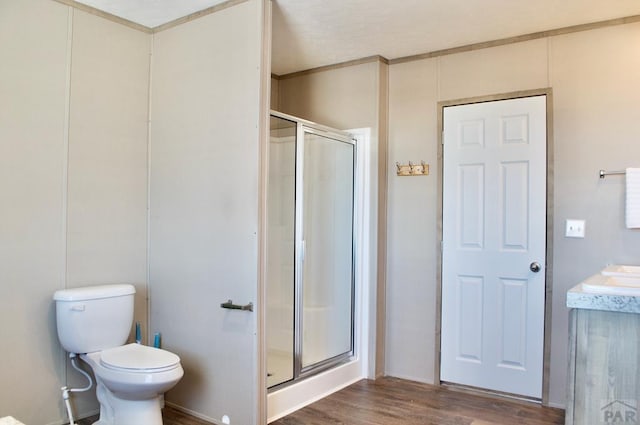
pixel 534 267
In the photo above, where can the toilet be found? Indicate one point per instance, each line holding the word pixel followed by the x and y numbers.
pixel 94 322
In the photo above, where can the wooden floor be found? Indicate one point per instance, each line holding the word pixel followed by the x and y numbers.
pixel 391 401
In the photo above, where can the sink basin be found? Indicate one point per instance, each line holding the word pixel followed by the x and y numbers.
pixel 613 285
pixel 619 270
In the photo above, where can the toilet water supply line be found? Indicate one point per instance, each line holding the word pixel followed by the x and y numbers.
pixel 66 391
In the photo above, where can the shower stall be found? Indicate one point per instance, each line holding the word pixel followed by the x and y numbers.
pixel 310 250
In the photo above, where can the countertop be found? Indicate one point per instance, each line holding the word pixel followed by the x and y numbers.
pixel 578 298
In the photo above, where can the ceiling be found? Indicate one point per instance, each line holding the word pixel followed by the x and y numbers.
pixel 151 13
pixel 312 33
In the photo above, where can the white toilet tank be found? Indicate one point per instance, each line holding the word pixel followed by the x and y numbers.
pixel 94 318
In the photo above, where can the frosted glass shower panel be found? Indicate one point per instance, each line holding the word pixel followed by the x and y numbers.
pixel 280 251
pixel 327 282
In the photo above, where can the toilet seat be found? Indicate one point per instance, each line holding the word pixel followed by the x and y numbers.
pixel 138 358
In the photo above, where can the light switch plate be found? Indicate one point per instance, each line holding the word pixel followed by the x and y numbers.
pixel 575 229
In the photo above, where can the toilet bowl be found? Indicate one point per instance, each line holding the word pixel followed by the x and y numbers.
pixel 135 372
pixel 131 379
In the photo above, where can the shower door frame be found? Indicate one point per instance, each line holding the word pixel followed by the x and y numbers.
pixel 301 372
pixel 307 127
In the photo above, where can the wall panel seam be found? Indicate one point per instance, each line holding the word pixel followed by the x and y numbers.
pixel 149 136
pixel 65 146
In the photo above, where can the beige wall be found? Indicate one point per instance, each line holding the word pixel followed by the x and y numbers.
pixel 275 93
pixel 341 98
pixel 596 124
pixel 32 162
pixel 107 152
pixel 411 226
pixel 204 204
pixel 73 184
pixel 107 171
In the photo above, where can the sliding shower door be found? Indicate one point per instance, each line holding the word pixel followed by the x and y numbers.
pixel 310 255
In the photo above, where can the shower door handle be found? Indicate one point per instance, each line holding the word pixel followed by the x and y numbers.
pixel 231 306
pixel 303 248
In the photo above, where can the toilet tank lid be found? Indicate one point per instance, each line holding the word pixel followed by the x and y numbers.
pixel 94 292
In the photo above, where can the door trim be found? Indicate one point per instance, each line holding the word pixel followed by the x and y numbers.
pixel 548 92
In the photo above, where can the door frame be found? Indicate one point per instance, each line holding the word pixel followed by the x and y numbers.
pixel 548 92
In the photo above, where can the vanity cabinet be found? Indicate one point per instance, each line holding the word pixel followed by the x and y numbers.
pixel 604 352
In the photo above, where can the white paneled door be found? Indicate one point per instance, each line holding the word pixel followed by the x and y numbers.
pixel 493 248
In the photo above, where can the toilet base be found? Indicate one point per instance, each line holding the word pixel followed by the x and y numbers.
pixel 130 398
pixel 127 412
